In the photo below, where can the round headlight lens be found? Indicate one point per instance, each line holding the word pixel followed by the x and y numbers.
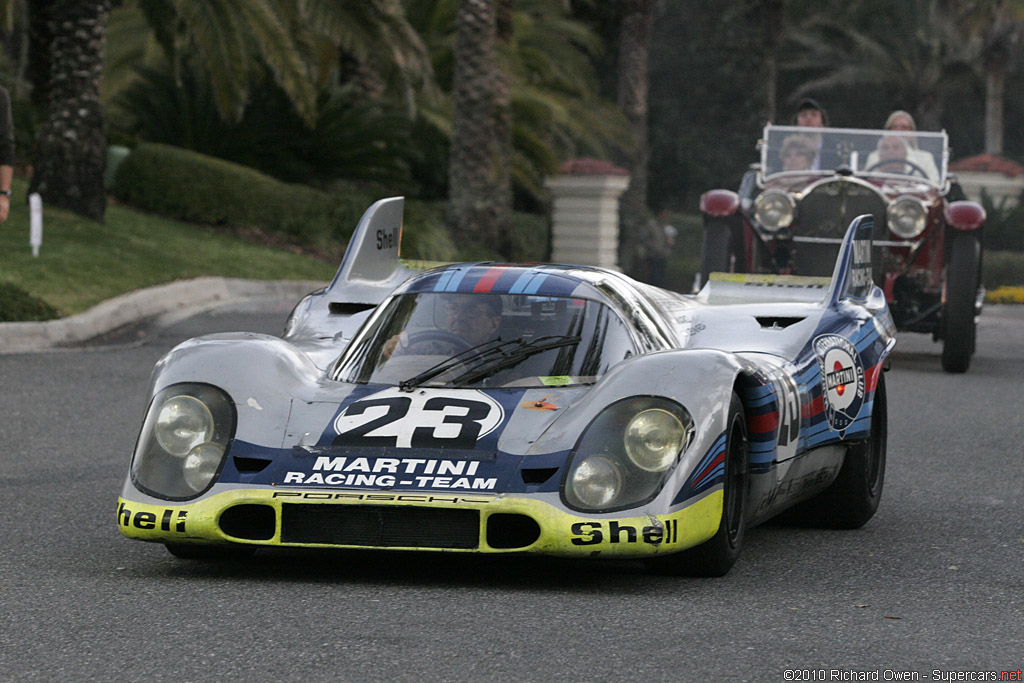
pixel 774 210
pixel 182 423
pixel 907 217
pixel 596 482
pixel 653 439
pixel 201 464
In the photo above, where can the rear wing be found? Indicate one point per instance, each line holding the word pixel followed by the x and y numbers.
pixel 371 267
pixel 851 279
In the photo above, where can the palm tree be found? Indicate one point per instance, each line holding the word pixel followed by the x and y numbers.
pixel 71 144
pixel 479 179
pixel 637 18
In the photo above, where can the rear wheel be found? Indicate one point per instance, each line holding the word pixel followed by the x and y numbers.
pixel 195 551
pixel 716 556
pixel 716 252
pixel 852 499
pixel 959 309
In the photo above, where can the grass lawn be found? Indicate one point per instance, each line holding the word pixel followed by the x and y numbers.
pixel 82 263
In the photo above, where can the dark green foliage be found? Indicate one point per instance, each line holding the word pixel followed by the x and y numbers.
pixel 1002 269
pixel 1004 227
pixel 353 138
pixel 18 305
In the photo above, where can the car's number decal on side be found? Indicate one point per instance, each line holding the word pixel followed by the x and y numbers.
pixel 436 420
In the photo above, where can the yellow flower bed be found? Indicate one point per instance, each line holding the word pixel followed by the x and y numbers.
pixel 1005 295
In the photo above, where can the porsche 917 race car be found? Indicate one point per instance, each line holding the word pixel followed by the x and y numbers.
pixel 504 408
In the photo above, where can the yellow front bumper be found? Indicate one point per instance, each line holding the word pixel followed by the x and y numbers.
pixel 222 518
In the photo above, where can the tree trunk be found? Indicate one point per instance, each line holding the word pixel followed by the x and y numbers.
pixel 479 175
pixel 772 19
pixel 634 48
pixel 995 80
pixel 71 145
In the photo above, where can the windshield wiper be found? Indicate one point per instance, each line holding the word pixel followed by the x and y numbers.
pixel 471 354
pixel 512 357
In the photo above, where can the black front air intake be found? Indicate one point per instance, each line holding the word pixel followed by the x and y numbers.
pixel 825 213
pixel 381 526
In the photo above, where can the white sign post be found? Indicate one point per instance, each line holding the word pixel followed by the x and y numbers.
pixel 35 231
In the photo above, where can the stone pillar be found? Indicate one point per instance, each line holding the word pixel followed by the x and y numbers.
pixel 585 216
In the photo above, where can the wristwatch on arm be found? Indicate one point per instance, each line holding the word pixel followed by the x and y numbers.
pixel 6 193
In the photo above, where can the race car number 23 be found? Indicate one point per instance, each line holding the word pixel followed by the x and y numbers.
pixel 436 419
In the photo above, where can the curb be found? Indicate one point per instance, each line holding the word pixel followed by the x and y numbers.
pixel 179 296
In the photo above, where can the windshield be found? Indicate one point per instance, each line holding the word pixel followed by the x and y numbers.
pixel 792 149
pixel 486 340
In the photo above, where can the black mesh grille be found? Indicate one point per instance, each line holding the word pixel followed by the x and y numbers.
pixel 380 526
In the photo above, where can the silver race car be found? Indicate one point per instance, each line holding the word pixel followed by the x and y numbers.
pixel 506 408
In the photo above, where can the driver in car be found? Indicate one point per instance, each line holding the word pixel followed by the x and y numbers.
pixel 473 318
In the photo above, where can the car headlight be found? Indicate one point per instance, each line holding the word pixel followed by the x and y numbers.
pixel 907 217
pixel 183 441
pixel 622 458
pixel 774 210
pixel 653 439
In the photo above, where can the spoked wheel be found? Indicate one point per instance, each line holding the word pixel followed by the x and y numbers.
pixel 852 499
pixel 959 309
pixel 716 556
pixel 715 254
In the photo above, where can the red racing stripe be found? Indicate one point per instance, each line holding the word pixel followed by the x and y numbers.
pixel 762 424
pixel 488 279
pixel 718 460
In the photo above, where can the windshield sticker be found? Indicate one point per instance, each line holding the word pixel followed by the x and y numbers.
pixel 842 377
pixel 558 381
pixel 426 419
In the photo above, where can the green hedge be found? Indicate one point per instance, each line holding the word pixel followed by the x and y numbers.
pixel 18 305
pixel 189 186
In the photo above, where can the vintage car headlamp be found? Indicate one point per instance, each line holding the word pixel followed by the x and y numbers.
pixel 183 441
pixel 624 455
pixel 907 217
pixel 774 210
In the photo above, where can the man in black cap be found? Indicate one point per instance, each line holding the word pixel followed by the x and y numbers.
pixel 810 114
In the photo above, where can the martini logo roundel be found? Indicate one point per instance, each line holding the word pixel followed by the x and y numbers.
pixel 842 378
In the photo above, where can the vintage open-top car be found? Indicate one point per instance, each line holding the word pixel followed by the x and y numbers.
pixel 792 210
pixel 503 408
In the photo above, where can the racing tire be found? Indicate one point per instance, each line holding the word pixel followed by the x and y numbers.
pixel 715 557
pixel 958 312
pixel 716 252
pixel 852 499
pixel 195 551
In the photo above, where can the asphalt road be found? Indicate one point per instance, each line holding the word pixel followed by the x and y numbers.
pixel 932 585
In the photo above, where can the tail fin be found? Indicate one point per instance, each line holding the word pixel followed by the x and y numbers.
pixel 851 279
pixel 371 267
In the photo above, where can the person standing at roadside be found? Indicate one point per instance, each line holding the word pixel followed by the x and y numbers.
pixel 7 158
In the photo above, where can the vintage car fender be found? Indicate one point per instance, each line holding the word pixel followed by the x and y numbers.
pixel 965 215
pixel 719 203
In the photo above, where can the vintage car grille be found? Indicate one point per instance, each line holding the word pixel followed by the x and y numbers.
pixel 380 526
pixel 826 212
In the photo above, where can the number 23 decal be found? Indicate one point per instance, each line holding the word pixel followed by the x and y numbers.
pixel 439 419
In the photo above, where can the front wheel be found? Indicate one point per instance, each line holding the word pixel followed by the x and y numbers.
pixel 958 311
pixel 852 499
pixel 716 556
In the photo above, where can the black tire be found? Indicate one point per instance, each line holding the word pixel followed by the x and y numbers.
pixel 716 556
pixel 958 326
pixel 195 551
pixel 716 250
pixel 852 499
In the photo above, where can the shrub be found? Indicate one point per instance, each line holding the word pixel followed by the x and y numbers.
pixel 18 305
pixel 1002 268
pixel 193 187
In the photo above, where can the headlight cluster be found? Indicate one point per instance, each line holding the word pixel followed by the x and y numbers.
pixel 907 217
pixel 623 456
pixel 774 210
pixel 183 441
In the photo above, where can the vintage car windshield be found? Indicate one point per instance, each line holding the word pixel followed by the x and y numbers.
pixel 792 149
pixel 486 340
